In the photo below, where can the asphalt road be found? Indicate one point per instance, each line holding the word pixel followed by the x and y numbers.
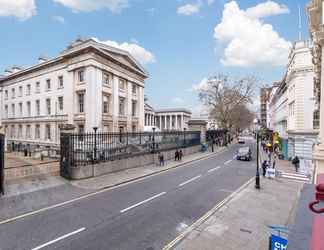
pixel 145 215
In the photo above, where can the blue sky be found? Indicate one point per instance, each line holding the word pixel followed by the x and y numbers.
pixel 180 46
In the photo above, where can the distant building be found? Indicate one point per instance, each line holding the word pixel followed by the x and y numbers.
pixel 264 97
pixel 167 119
pixel 88 85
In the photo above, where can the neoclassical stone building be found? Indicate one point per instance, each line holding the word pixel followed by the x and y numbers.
pixel 88 85
pixel 167 119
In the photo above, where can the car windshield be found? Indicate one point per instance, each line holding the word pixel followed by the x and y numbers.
pixel 243 150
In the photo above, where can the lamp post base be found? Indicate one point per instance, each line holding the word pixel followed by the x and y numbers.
pixel 257 181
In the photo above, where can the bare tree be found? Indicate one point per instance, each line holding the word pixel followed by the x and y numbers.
pixel 224 95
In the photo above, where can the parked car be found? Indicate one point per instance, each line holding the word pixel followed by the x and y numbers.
pixel 244 153
pixel 241 140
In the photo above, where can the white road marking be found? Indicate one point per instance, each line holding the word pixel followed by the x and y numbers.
pixel 142 202
pixel 226 190
pixel 190 180
pixel 59 238
pixel 295 178
pixel 213 169
pixel 227 162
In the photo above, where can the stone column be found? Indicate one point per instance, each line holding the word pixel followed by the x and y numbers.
pixel 140 99
pixel 69 96
pixel 182 121
pixel 115 102
pixel 129 100
pixel 165 123
pixel 176 122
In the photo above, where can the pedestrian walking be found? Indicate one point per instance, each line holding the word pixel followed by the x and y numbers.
pixel 295 161
pixel 176 155
pixel 180 155
pixel 161 159
pixel 264 168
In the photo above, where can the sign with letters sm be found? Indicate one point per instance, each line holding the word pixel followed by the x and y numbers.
pixel 278 243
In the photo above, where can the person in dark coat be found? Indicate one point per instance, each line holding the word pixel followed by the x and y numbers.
pixel 176 155
pixel 295 161
pixel 264 168
pixel 180 155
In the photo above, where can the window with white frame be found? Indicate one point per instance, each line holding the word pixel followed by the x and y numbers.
pixel 20 93
pixel 134 88
pixel 48 132
pixel 6 111
pixel 134 108
pixel 48 84
pixel 37 131
pixel 28 89
pixel 13 131
pixel 81 75
pixel 20 109
pixel 6 94
pixel 13 93
pixel 13 110
pixel 48 106
pixel 105 104
pixel 80 102
pixel 28 109
pixel 28 131
pixel 106 78
pixel 37 87
pixel 121 106
pixel 60 82
pixel 122 84
pixel 37 104
pixel 60 103
pixel 20 131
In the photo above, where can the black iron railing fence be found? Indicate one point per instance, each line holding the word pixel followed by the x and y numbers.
pixel 90 148
pixel 2 149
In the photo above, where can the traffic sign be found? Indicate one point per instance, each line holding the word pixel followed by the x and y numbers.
pixel 278 243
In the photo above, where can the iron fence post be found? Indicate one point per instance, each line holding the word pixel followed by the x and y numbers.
pixel 184 137
pixel 95 143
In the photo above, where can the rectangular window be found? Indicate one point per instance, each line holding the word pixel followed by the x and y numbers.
pixel 60 82
pixel 13 131
pixel 28 89
pixel 60 103
pixel 6 94
pixel 81 75
pixel 37 107
pixel 28 109
pixel 134 88
pixel 37 87
pixel 81 102
pixel 20 109
pixel 28 132
pixel 13 93
pixel 48 106
pixel 134 104
pixel 81 129
pixel 121 106
pixel 133 128
pixel 37 131
pixel 105 104
pixel 13 110
pixel 48 132
pixel 106 78
pixel 20 91
pixel 20 131
pixel 48 84
pixel 6 111
pixel 121 84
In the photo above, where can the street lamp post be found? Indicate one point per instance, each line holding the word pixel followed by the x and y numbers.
pixel 153 140
pixel 257 174
pixel 95 143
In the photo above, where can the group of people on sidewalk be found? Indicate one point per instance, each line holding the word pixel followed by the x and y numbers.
pixel 177 157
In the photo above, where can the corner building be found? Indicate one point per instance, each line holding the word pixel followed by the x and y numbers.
pixel 88 85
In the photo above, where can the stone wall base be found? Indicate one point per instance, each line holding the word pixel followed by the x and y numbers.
pixel 82 172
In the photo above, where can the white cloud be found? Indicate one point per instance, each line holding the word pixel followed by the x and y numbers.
pixel 202 85
pixel 114 6
pixel 22 9
pixel 178 100
pixel 266 9
pixel 59 19
pixel 139 53
pixel 189 9
pixel 249 41
pixel 210 2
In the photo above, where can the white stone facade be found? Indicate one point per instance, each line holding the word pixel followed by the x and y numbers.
pixel 167 119
pixel 88 85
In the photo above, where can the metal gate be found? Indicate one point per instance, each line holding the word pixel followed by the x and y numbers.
pixel 65 160
pixel 2 143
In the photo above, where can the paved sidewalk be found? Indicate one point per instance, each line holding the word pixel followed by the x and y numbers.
pixel 31 194
pixel 242 222
pixel 116 178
